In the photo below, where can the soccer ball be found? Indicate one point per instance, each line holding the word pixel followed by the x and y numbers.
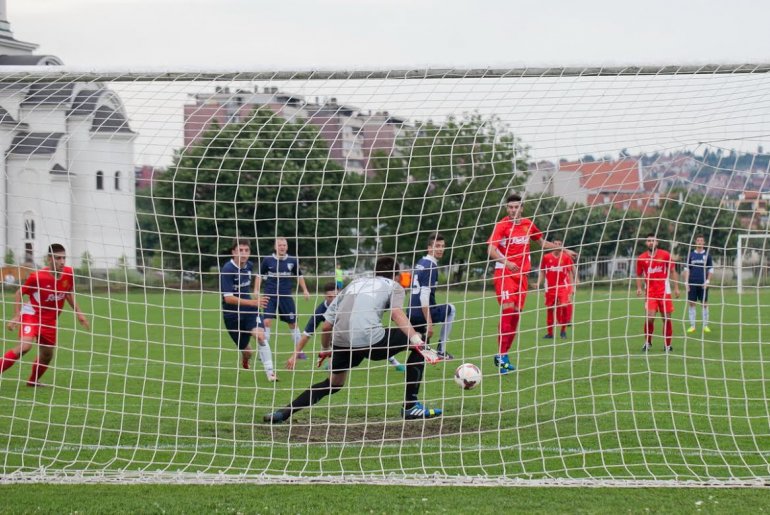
pixel 467 376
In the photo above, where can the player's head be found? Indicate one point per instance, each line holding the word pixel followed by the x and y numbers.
pixel 330 291
pixel 651 241
pixel 700 241
pixel 386 267
pixel 56 256
pixel 436 245
pixel 241 251
pixel 556 240
pixel 513 206
pixel 281 247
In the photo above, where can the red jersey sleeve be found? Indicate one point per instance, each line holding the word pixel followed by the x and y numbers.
pixel 30 286
pixel 640 266
pixel 498 234
pixel 534 232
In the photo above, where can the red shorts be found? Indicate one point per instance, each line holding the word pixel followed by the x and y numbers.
pixel 660 304
pixel 557 296
pixel 33 327
pixel 511 288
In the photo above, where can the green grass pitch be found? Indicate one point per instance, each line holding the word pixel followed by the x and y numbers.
pixel 156 387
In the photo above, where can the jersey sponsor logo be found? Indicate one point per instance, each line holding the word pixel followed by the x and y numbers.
pixel 655 269
pixel 55 297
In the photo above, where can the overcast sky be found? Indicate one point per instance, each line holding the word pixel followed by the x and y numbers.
pixel 378 33
pixel 568 118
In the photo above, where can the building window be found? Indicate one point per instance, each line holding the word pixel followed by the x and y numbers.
pixel 117 181
pixel 99 180
pixel 29 229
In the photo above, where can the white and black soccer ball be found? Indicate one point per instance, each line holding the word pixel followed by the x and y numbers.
pixel 468 376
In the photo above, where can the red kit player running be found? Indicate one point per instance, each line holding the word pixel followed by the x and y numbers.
pixel 509 248
pixel 655 266
pixel 558 270
pixel 47 289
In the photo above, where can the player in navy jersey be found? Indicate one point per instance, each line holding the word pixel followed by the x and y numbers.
pixel 424 312
pixel 330 292
pixel 700 268
pixel 240 311
pixel 279 272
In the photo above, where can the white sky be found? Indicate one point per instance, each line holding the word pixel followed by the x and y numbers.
pixel 568 118
pixel 379 33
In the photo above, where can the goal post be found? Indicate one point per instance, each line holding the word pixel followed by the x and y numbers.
pixel 743 251
pixel 151 179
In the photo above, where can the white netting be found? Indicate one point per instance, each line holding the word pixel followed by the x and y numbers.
pixel 147 179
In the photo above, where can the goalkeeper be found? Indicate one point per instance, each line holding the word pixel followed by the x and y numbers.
pixel 353 330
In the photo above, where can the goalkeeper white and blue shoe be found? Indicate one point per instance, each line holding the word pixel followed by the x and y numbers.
pixel 418 411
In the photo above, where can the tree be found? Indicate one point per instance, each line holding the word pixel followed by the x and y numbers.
pixel 450 177
pixel 262 178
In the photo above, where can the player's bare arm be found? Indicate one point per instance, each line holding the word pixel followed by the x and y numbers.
pixel 639 290
pixel 549 245
pixel 303 285
pixel 496 255
pixel 675 277
pixel 16 319
pixel 70 298
pixel 292 361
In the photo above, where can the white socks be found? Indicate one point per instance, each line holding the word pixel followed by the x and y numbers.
pixel 705 315
pixel 692 316
pixel 296 335
pixel 265 356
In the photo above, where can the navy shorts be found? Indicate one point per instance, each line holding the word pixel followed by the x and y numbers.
pixel 697 293
pixel 438 314
pixel 240 326
pixel 394 341
pixel 284 306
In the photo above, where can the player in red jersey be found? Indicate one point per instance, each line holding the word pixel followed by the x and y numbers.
pixel 655 266
pixel 47 289
pixel 558 270
pixel 509 248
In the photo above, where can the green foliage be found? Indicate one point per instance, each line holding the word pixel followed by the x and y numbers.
pixel 450 177
pixel 263 178
pixel 10 258
pixel 86 263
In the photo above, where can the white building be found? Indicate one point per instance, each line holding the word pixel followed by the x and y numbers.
pixel 67 165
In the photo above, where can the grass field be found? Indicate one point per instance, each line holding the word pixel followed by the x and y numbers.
pixel 155 387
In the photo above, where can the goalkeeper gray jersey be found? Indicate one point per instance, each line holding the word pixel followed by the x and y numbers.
pixel 356 312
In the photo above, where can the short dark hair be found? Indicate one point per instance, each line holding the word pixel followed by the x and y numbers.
pixel 651 235
pixel 55 248
pixel 556 237
pixel 434 237
pixel 699 235
pixel 385 267
pixel 237 242
pixel 513 197
pixel 330 287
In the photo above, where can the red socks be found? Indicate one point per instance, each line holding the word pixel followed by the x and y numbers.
pixel 649 328
pixel 549 312
pixel 668 332
pixel 509 322
pixel 38 369
pixel 8 360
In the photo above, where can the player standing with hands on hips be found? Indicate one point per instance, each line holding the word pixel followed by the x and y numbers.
pixel 697 276
pixel 655 266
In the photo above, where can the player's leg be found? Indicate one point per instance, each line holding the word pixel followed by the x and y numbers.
pixel 692 296
pixel 651 310
pixel 269 315
pixel 550 311
pixel 705 308
pixel 288 312
pixel 45 355
pixel 233 327
pixel 514 291
pixel 342 361
pixel 667 309
pixel 29 331
pixel 443 314
pixel 265 353
pixel 13 355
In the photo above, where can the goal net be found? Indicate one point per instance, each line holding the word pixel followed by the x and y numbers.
pixel 148 178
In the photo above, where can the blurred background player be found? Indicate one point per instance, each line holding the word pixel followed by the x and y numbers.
pixel 47 290
pixel 240 311
pixel 279 272
pixel 423 309
pixel 558 271
pixel 339 276
pixel 330 292
pixel 353 330
pixel 508 246
pixel 655 266
pixel 697 277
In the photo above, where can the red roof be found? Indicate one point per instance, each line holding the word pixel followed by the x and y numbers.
pixel 607 176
